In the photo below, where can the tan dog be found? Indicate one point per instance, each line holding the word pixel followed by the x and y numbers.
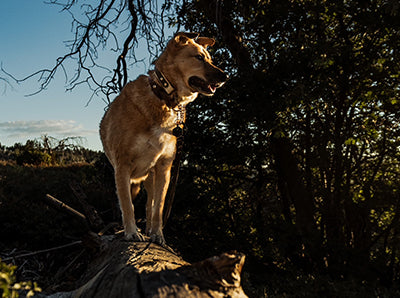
pixel 136 130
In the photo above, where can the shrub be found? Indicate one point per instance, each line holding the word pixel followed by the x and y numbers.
pixel 8 285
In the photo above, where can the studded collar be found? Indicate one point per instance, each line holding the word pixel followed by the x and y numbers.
pixel 162 88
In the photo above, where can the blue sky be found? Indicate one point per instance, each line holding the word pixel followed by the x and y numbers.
pixel 32 37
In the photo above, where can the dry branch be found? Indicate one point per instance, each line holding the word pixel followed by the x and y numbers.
pixel 64 207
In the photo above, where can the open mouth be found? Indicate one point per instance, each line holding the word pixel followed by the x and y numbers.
pixel 199 85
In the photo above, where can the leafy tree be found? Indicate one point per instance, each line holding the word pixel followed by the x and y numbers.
pixel 315 88
pixel 31 153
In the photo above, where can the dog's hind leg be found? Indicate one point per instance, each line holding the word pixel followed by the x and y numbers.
pixel 123 184
pixel 149 186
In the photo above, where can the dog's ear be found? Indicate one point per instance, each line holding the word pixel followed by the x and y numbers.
pixel 205 41
pixel 183 37
pixel 191 35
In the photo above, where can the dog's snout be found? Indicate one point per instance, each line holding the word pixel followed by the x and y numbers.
pixel 216 74
pixel 220 76
pixel 224 77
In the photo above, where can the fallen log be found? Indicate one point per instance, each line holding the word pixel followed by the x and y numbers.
pixel 145 269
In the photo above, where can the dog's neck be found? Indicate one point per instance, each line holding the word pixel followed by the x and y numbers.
pixel 162 88
pixel 167 92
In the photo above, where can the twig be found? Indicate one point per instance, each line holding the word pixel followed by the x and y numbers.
pixel 42 251
pixel 62 206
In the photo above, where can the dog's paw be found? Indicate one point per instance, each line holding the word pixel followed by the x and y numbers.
pixel 158 238
pixel 135 236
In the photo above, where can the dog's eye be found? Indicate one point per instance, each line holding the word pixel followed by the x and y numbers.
pixel 200 57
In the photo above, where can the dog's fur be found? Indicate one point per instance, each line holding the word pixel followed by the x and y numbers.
pixel 136 130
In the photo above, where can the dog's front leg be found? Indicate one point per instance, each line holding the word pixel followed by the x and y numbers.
pixel 161 183
pixel 123 184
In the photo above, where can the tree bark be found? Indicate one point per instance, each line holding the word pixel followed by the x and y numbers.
pixel 144 269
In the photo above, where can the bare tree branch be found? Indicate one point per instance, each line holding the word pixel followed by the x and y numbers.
pixel 123 77
pixel 97 29
pixel 6 81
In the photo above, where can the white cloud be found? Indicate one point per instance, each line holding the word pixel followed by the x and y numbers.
pixel 34 129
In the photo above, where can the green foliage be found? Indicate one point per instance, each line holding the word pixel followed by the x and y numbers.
pixel 10 288
pixel 32 154
pixel 50 151
pixel 295 161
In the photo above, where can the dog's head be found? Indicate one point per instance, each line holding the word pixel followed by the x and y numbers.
pixel 188 65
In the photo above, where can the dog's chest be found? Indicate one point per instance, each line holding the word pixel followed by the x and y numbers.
pixel 162 141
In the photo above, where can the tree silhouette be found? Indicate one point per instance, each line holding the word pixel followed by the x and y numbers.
pixel 312 110
pixel 118 26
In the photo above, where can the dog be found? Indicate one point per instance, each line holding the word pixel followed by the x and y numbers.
pixel 136 130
